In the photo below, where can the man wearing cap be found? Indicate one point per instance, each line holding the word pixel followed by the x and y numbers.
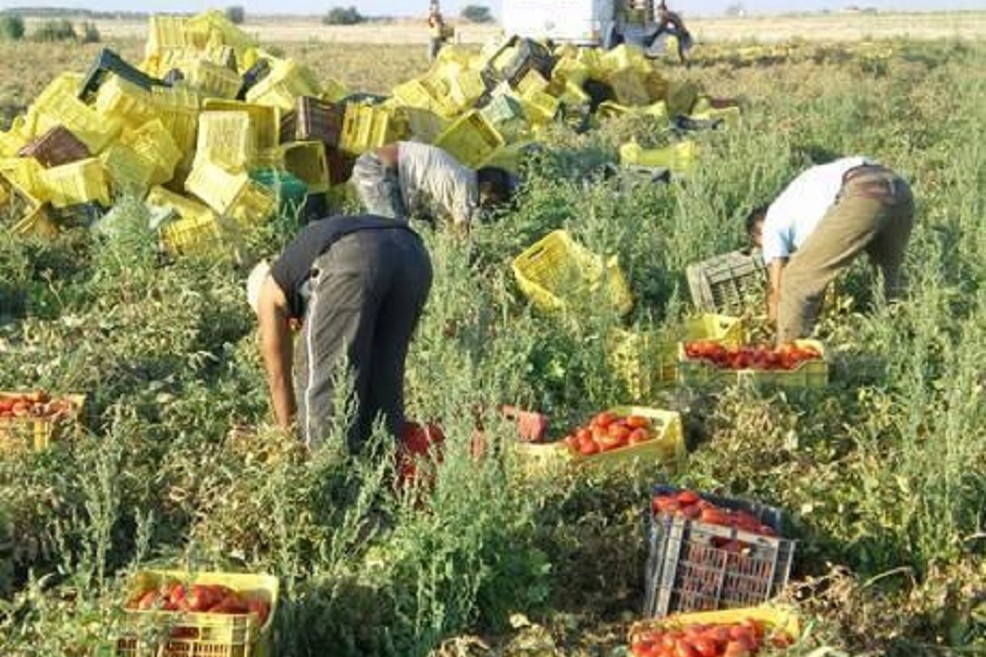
pixel 358 286
pixel 408 179
pixel 819 224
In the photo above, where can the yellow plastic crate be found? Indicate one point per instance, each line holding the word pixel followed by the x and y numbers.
pixel 130 103
pixel 284 84
pixel 185 207
pixel 212 28
pixel 471 139
pixel 569 71
pixel 154 142
pixel 782 619
pixel 59 106
pixel 556 268
pixel 428 94
pixel 24 176
pixel 77 182
pixel 541 107
pixel 254 205
pixel 216 186
pixel 226 139
pixel 467 88
pixel 166 32
pixel 532 81
pixel 647 360
pixel 668 448
pixel 680 158
pixel 367 126
pixel 36 222
pixel 208 635
pixel 194 235
pixel 681 96
pixel 129 171
pixel 630 87
pixel 265 121
pixel 809 374
pixel 306 160
pixel 178 110
pixel 18 434
pixel 213 79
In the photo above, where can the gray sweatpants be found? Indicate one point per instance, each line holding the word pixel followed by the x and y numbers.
pixel 367 295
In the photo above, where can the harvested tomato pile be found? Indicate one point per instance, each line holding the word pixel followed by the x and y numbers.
pixel 38 404
pixel 743 639
pixel 608 431
pixel 755 357
pixel 200 598
pixel 691 505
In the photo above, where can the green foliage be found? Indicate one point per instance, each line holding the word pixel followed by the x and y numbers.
pixel 90 33
pixel 55 30
pixel 11 27
pixel 882 472
pixel 343 16
pixel 476 14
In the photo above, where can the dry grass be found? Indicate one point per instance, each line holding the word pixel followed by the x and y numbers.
pixel 831 27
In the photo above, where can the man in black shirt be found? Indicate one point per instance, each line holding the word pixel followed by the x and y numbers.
pixel 358 286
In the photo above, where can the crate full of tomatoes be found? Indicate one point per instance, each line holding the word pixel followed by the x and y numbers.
pixel 799 364
pixel 709 553
pixel 731 633
pixel 624 434
pixel 32 420
pixel 214 614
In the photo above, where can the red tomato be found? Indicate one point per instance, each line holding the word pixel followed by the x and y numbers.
pixel 638 436
pixel 588 448
pixel 688 497
pixel 691 511
pixel 604 419
pixel 683 648
pixel 619 432
pixel 583 434
pixel 705 647
pixel 148 601
pixel 735 649
pixel 638 422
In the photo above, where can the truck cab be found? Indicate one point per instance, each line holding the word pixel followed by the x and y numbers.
pixel 591 23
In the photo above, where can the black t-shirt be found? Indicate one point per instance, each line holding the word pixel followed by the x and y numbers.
pixel 292 270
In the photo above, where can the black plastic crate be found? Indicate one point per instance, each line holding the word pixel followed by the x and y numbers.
pixel 531 56
pixel 696 566
pixel 108 62
pixel 254 75
pixel 728 284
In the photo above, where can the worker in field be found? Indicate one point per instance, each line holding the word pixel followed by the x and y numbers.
pixel 357 287
pixel 821 222
pixel 437 32
pixel 408 179
pixel 669 22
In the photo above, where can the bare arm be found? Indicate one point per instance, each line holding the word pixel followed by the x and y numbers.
pixel 275 346
pixel 774 289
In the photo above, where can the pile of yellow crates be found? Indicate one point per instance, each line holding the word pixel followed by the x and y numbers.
pixel 190 126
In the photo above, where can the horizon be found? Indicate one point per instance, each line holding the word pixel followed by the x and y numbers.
pixel 399 9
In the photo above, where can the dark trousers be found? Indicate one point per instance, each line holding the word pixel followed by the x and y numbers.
pixel 367 295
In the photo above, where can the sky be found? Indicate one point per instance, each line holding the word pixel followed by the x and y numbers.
pixel 416 7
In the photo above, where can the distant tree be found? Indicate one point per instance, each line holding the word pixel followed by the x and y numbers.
pixel 736 9
pixel 55 30
pixel 11 27
pixel 236 14
pixel 476 14
pixel 90 33
pixel 343 16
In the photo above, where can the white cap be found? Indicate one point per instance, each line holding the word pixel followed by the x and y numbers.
pixel 256 282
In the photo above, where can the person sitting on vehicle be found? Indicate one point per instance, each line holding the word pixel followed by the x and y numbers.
pixel 358 286
pixel 671 23
pixel 818 225
pixel 408 179
pixel 437 32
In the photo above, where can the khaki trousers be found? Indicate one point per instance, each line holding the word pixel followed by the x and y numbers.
pixel 873 214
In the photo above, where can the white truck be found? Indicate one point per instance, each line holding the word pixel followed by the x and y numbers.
pixel 598 23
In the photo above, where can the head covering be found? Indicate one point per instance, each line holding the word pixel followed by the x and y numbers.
pixel 256 282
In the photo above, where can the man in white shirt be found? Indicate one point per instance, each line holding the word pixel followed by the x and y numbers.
pixel 408 179
pixel 818 225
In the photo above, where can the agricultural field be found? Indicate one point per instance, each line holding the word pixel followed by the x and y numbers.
pixel 882 472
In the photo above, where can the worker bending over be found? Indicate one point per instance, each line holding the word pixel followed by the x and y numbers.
pixel 671 23
pixel 408 179
pixel 358 286
pixel 813 231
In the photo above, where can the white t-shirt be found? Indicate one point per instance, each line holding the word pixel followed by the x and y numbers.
pixel 430 177
pixel 796 212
